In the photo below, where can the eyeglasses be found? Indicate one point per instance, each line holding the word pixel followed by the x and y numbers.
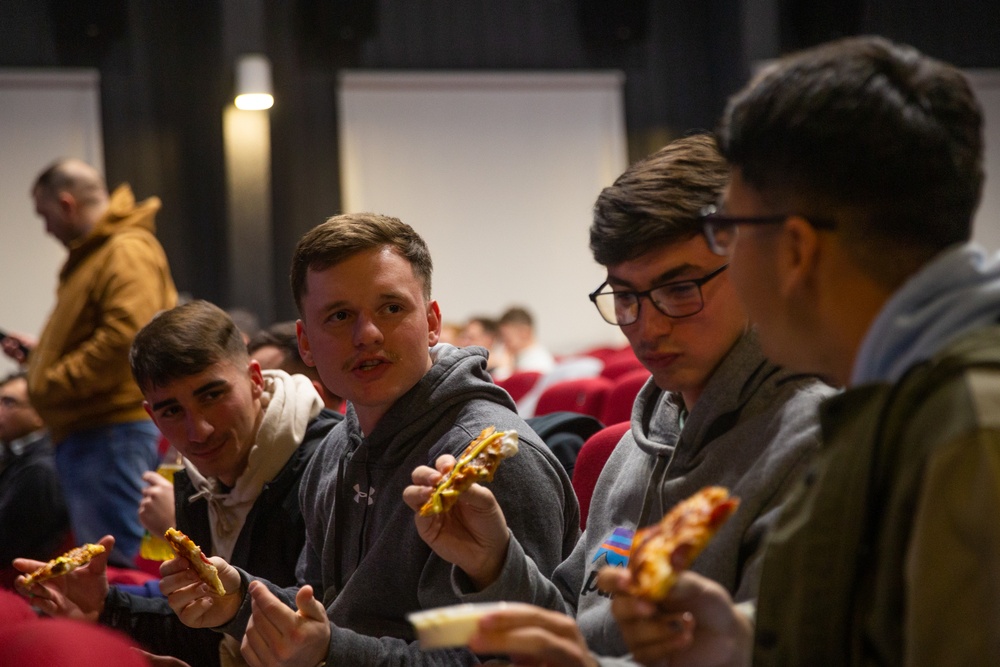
pixel 678 299
pixel 720 229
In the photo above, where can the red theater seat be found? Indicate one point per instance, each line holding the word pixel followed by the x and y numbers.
pixel 583 395
pixel 590 461
pixel 519 384
pixel 618 405
pixel 620 364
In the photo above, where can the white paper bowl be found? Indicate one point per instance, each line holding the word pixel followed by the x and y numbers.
pixel 448 627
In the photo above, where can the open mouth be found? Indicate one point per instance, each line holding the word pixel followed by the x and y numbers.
pixel 369 364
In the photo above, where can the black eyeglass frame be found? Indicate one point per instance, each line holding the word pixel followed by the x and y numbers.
pixel 710 216
pixel 697 282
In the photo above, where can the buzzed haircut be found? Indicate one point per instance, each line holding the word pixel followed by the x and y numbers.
pixel 517 315
pixel 343 236
pixel 657 200
pixel 83 181
pixel 184 341
pixel 489 325
pixel 881 138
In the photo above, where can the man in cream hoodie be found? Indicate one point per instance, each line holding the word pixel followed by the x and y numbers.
pixel 246 436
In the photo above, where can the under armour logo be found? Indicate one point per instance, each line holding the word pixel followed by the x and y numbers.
pixel 359 494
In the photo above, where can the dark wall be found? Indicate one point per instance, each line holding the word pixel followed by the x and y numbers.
pixel 165 80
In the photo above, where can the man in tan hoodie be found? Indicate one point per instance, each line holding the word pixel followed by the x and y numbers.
pixel 114 280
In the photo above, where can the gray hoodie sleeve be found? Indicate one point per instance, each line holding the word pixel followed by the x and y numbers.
pixel 520 580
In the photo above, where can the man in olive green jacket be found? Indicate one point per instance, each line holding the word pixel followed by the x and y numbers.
pixel 856 168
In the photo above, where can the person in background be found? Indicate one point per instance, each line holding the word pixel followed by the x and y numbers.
pixel 277 347
pixel 246 436
pixel 450 331
pixel 362 283
pixel 856 167
pixel 33 517
pixel 517 332
pixel 114 280
pixel 485 332
pixel 247 322
pixel 714 412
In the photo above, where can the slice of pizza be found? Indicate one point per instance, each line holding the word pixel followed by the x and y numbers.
pixel 662 551
pixel 478 463
pixel 64 564
pixel 186 547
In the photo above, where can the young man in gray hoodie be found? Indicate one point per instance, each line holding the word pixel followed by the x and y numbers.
pixel 362 283
pixel 715 412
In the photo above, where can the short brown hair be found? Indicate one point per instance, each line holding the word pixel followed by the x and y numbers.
pixel 516 315
pixel 184 341
pixel 657 200
pixel 345 235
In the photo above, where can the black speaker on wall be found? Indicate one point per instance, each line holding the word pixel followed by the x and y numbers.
pixel 84 29
pixel 610 23
pixel 331 31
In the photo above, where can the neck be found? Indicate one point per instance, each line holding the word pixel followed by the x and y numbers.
pixel 846 326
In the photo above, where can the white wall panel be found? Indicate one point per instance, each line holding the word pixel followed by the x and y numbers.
pixel 44 115
pixel 499 173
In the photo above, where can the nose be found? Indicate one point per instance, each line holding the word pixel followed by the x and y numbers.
pixel 198 428
pixel 367 331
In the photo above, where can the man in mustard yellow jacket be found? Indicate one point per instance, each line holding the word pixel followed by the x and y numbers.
pixel 115 279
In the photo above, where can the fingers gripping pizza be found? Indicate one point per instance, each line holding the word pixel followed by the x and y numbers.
pixel 186 547
pixel 64 564
pixel 478 463
pixel 660 552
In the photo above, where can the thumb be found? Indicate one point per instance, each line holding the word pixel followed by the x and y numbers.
pixel 309 606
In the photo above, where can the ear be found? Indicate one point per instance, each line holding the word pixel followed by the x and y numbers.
pixel 433 323
pixel 304 351
pixel 67 202
pixel 256 377
pixel 798 256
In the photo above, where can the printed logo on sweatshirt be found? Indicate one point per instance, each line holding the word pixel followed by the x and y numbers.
pixel 359 494
pixel 616 547
pixel 613 551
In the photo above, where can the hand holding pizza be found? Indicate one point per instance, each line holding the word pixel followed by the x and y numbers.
pixel 278 635
pixel 472 535
pixel 696 625
pixel 197 602
pixel 68 589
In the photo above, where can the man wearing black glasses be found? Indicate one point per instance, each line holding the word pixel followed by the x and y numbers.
pixel 715 412
pixel 856 168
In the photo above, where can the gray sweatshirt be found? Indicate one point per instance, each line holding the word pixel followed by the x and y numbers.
pixel 363 555
pixel 752 430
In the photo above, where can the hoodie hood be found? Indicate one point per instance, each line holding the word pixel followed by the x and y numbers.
pixel 656 415
pixel 956 292
pixel 458 375
pixel 122 216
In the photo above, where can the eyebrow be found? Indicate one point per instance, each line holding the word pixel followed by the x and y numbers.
pixel 661 279
pixel 208 386
pixel 340 304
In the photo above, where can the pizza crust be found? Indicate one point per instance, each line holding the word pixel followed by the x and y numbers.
pixel 69 561
pixel 186 547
